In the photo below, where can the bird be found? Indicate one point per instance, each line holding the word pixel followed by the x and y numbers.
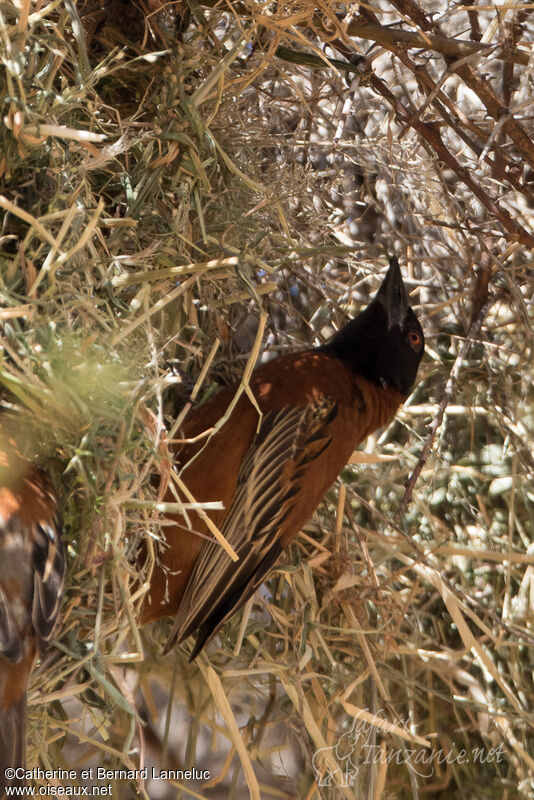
pixel 32 568
pixel 272 460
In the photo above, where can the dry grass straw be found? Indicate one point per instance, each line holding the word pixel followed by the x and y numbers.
pixel 154 186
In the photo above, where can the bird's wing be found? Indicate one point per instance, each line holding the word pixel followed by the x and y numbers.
pixel 15 586
pixel 32 565
pixel 48 576
pixel 270 477
pixel 38 576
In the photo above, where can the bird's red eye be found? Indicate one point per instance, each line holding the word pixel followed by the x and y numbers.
pixel 415 339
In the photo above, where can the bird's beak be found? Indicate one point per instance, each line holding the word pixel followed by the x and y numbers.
pixel 392 295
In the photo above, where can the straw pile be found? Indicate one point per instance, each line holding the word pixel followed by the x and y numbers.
pixel 164 172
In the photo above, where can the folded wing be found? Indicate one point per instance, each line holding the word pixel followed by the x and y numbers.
pixel 268 487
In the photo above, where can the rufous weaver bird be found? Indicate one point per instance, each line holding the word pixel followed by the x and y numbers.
pixel 271 472
pixel 32 566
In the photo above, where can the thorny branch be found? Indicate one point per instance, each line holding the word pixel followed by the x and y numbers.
pixel 476 82
pixel 431 134
pixel 448 391
pixel 487 145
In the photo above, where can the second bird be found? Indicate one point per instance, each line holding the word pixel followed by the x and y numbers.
pixel 317 406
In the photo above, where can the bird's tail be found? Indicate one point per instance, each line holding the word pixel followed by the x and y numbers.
pixel 12 744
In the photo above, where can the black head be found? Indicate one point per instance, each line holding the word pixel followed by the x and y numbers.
pixel 384 343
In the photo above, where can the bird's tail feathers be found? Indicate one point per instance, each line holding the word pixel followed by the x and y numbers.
pixel 12 743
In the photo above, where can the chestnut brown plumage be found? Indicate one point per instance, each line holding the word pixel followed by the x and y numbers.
pixel 32 565
pixel 271 472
